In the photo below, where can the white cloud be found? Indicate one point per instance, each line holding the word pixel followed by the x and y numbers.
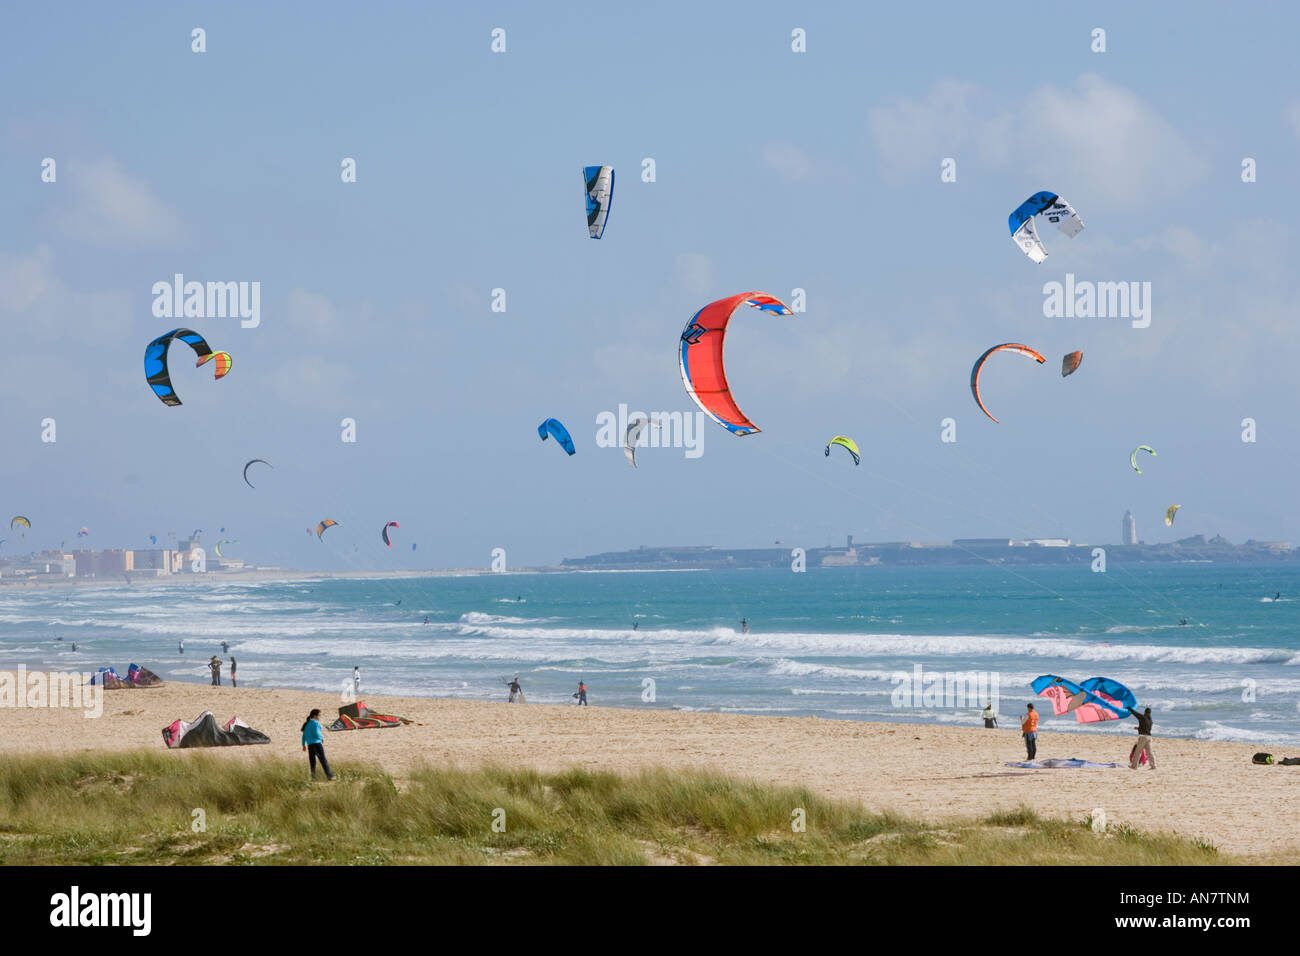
pixel 912 134
pixel 312 381
pixel 33 296
pixel 24 279
pixel 1095 140
pixel 1105 137
pixel 790 162
pixel 316 314
pixel 108 206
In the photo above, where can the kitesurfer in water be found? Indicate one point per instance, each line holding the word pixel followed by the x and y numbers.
pixel 744 625
pixel 225 647
pixel 1029 728
pixel 1144 739
pixel 74 647
pixel 356 679
pixel 313 744
pixel 635 625
pixel 1277 596
pixel 182 647
pixel 426 619
pixel 1183 622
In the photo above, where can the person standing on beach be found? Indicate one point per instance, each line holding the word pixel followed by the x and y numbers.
pixel 1029 727
pixel 232 673
pixel 990 718
pixel 215 666
pixel 1144 740
pixel 313 744
pixel 515 690
pixel 581 694
pixel 356 679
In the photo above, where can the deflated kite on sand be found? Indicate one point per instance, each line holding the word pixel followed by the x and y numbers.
pixel 203 731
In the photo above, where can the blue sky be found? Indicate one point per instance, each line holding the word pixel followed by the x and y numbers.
pixel 775 170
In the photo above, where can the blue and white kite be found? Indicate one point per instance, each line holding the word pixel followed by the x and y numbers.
pixel 600 196
pixel 1051 207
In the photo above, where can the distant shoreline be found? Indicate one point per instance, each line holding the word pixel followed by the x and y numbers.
pixel 286 574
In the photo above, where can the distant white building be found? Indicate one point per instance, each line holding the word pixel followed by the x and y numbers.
pixel 1130 534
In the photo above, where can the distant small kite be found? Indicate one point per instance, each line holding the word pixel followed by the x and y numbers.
pixel 600 197
pixel 323 527
pixel 634 429
pixel 1071 363
pixel 1133 458
pixel 253 462
pixel 1169 515
pixel 553 427
pixel 848 444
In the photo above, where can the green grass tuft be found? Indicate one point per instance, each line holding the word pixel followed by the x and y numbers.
pixel 140 808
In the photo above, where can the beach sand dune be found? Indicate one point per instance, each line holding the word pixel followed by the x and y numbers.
pixel 1207 790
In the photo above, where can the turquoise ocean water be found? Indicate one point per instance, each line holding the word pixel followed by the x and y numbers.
pixel 828 642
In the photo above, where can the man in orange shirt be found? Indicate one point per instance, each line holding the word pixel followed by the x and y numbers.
pixel 1029 727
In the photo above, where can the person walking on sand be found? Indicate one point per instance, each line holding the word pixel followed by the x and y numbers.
pixel 1029 727
pixel 581 694
pixel 215 666
pixel 515 690
pixel 990 718
pixel 232 673
pixel 1144 740
pixel 313 743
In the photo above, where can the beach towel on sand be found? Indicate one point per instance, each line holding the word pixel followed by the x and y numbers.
pixel 1062 763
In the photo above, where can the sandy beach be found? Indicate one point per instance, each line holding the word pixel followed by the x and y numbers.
pixel 1208 790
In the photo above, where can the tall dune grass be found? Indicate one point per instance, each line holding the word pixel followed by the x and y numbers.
pixel 168 808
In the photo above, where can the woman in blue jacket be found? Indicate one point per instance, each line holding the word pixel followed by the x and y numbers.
pixel 313 742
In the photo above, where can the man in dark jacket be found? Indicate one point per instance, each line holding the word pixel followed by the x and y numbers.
pixel 1144 740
